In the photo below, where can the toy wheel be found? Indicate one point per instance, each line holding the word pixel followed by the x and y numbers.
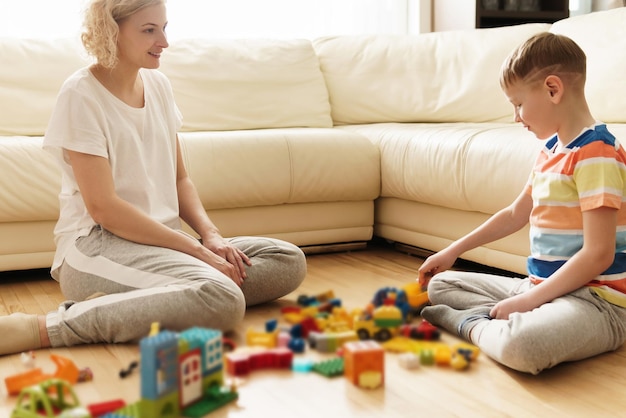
pixel 383 335
pixel 363 334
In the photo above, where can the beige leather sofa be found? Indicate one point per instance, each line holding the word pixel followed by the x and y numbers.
pixel 323 143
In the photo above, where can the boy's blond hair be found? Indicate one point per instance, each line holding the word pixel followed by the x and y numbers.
pixel 101 26
pixel 542 55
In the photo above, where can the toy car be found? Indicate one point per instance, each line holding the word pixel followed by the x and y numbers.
pixel 423 331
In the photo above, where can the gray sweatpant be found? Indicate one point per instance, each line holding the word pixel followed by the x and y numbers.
pixel 573 327
pixel 144 284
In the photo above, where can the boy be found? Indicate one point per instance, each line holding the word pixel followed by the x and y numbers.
pixel 572 304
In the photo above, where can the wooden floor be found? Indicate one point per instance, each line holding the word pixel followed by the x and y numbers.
pixel 593 388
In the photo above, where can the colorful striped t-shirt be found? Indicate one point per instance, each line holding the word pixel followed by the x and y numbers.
pixel 588 173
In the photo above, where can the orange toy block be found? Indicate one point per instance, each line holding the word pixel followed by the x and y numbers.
pixel 364 363
pixel 66 370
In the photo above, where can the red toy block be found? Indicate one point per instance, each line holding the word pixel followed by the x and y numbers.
pixel 290 309
pixel 102 408
pixel 237 364
pixel 308 324
pixel 242 363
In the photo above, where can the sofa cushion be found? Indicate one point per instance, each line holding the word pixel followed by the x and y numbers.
pixel 31 74
pixel 602 35
pixel 433 77
pixel 468 166
pixel 30 181
pixel 237 169
pixel 223 85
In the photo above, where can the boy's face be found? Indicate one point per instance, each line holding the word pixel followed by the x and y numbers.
pixel 533 107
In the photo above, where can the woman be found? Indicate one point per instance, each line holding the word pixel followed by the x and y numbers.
pixel 122 260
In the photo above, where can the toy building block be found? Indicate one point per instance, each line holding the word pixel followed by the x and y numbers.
pixel 159 365
pixel 427 357
pixel 364 357
pixel 261 339
pixel 400 345
pixel 459 362
pixel 241 363
pixel 228 344
pixel 102 408
pixel 409 361
pixel 277 358
pixel 200 367
pixel 469 351
pixel 16 383
pixel 181 375
pixel 416 296
pixel 159 375
pixel 283 339
pixel 302 365
pixel 297 345
pixel 28 359
pixel 308 325
pixel 305 300
pixel 238 364
pixel 271 325
pixel 51 397
pixel 85 375
pixel 423 331
pixel 331 367
pixel 443 356
pixel 214 398
pixel 65 369
pixel 296 331
pixel 134 410
pixel 405 344
pixel 370 380
pixel 155 328
pixel 338 320
pixel 329 342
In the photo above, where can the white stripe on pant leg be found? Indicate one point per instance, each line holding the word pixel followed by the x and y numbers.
pixel 115 272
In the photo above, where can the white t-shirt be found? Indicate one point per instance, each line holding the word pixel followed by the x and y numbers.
pixel 140 145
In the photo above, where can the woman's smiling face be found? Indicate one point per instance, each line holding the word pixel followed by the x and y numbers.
pixel 142 38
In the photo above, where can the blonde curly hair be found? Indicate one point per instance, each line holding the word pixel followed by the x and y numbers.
pixel 101 26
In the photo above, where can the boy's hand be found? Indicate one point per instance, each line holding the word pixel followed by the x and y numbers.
pixel 434 264
pixel 518 303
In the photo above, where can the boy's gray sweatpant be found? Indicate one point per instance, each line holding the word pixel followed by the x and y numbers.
pixel 143 284
pixel 573 327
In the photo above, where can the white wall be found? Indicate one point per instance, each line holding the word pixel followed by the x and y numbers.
pixel 453 14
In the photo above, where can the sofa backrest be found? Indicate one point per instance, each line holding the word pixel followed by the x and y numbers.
pixel 218 84
pixel 31 74
pixel 432 77
pixel 602 35
pixel 223 85
pixel 251 84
